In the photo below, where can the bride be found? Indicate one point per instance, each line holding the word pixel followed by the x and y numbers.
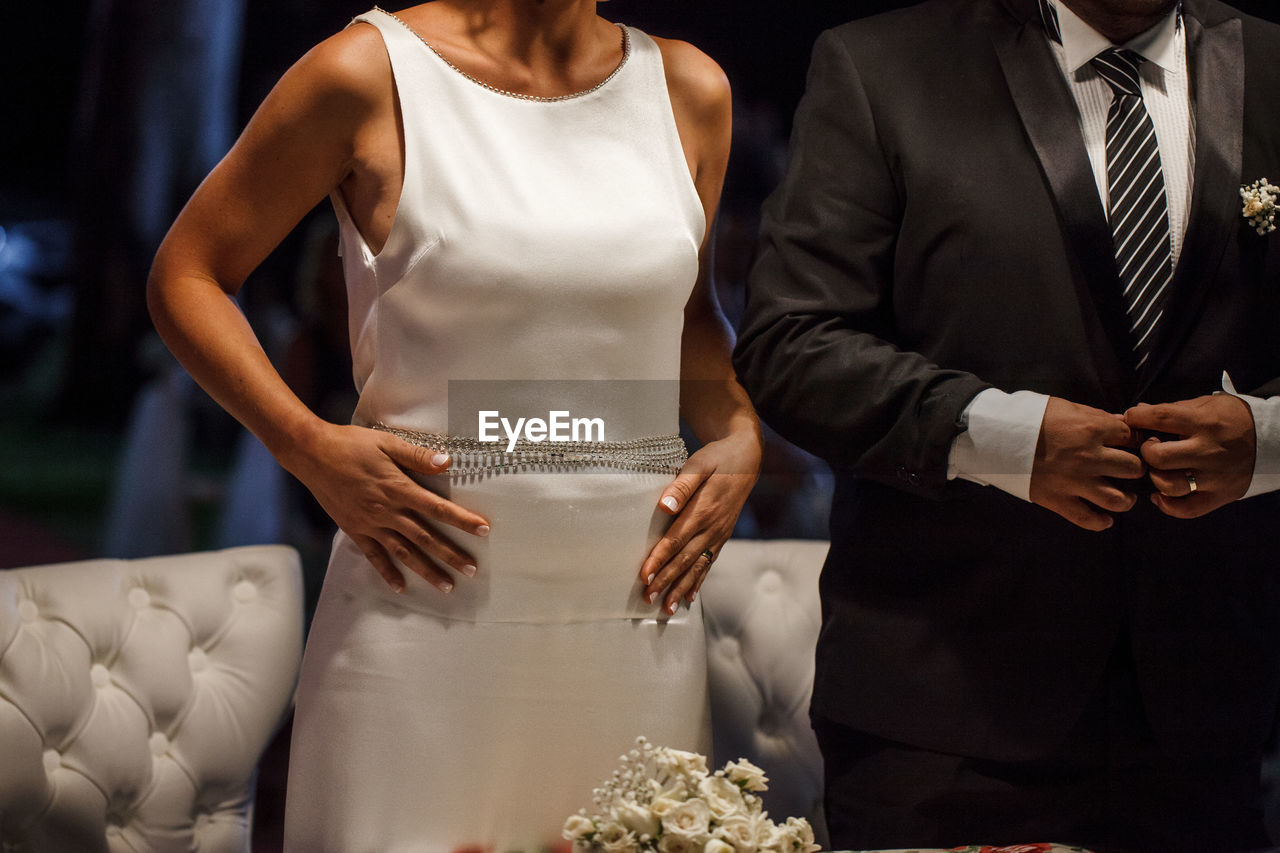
pixel 525 193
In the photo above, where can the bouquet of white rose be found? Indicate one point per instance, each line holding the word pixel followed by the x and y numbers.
pixel 665 800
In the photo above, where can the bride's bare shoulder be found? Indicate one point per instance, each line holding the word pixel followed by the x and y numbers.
pixel 352 65
pixel 694 79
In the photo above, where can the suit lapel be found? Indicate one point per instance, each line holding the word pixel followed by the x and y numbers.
pixel 1051 120
pixel 1216 66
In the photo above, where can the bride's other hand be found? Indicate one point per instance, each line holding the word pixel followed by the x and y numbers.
pixel 705 499
pixel 713 485
pixel 361 478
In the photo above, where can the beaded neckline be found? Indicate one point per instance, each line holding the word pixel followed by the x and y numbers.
pixel 626 54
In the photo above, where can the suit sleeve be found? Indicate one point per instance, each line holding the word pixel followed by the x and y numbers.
pixel 817 346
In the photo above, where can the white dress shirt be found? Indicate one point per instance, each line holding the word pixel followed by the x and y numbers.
pixel 998 447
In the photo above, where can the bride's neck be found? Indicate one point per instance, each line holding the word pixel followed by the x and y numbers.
pixel 532 32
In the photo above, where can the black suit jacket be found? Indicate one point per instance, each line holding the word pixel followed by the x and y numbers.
pixel 939 232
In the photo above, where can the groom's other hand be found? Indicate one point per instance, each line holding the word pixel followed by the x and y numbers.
pixel 1213 447
pixel 1079 455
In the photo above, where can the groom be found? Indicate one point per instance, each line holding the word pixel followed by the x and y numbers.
pixel 1001 290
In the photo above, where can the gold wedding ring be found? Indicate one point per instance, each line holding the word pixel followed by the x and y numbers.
pixel 710 556
pixel 1191 482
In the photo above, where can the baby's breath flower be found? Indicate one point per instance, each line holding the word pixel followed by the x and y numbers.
pixel 1260 205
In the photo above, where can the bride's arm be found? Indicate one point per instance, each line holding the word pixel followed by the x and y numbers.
pixel 713 485
pixel 305 139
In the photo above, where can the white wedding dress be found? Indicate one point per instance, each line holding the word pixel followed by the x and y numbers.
pixel 540 260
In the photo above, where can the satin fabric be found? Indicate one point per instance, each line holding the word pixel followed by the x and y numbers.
pixel 540 260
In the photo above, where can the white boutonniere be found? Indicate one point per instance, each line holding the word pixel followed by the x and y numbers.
pixel 1260 205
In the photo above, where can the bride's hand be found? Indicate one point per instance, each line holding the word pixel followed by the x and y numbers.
pixel 360 477
pixel 705 498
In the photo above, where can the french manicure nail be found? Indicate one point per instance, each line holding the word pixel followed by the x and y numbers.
pixel 398 589
pixel 482 530
pixel 670 503
pixel 469 570
pixel 650 597
pixel 446 587
pixel 649 579
pixel 439 459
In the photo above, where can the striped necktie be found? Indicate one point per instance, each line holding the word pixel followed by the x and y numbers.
pixel 1049 16
pixel 1139 212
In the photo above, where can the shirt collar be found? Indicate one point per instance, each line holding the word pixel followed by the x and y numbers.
pixel 1081 42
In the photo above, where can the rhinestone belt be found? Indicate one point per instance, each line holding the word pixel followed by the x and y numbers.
pixel 663 454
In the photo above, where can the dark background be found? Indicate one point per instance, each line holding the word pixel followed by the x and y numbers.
pixel 762 44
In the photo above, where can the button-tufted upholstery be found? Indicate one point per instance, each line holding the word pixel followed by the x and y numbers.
pixel 760 603
pixel 136 698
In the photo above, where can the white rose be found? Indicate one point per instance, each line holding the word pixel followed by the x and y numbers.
pixel 671 843
pixel 739 831
pixel 718 845
pixel 661 805
pixel 764 827
pixel 777 838
pixel 577 827
pixel 802 832
pixel 1253 207
pixel 795 836
pixel 665 760
pixel 678 762
pixel 638 819
pixel 722 796
pixel 692 819
pixel 746 774
pixel 616 839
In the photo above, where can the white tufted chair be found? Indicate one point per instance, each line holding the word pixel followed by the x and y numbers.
pixel 760 603
pixel 136 698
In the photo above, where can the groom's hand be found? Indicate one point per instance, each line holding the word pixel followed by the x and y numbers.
pixel 1081 450
pixel 1213 447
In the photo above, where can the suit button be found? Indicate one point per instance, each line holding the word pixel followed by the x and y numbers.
pixel 913 479
pixel 902 474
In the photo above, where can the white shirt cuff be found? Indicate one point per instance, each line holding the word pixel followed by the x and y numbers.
pixel 999 447
pixel 1266 428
